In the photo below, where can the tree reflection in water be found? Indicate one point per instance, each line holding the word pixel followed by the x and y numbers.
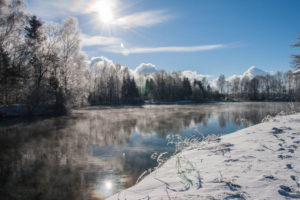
pixel 96 152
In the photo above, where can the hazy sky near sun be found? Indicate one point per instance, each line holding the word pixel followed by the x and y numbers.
pixel 207 36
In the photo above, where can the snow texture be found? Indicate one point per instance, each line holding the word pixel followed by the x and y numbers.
pixel 259 162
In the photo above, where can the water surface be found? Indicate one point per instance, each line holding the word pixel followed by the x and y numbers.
pixel 99 151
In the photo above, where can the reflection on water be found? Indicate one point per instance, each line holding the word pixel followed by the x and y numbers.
pixel 97 152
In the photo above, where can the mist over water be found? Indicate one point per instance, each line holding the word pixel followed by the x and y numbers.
pixel 98 151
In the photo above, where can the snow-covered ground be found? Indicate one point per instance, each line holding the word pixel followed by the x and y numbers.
pixel 259 162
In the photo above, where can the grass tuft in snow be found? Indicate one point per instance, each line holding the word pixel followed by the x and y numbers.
pixel 180 143
pixel 289 111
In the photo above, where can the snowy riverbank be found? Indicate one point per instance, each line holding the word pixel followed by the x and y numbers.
pixel 259 162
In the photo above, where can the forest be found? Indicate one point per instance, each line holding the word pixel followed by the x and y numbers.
pixel 43 67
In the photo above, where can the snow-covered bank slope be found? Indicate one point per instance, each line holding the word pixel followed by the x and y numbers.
pixel 259 162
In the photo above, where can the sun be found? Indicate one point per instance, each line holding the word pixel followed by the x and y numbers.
pixel 106 12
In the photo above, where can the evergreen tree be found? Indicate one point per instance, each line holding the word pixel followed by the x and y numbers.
pixel 34 39
pixel 296 61
pixel 32 31
pixel 221 83
pixel 130 92
pixel 187 89
pixel 12 18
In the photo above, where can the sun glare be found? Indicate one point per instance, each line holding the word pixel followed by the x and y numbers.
pixel 108 185
pixel 105 12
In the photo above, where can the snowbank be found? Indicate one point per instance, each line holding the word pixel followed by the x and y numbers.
pixel 259 162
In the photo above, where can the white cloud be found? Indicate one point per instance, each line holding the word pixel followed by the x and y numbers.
pixel 100 40
pixel 193 75
pixel 102 64
pixel 137 50
pixel 213 84
pixel 254 71
pixel 101 60
pixel 116 45
pixel 145 69
pixel 143 19
pixel 98 64
pixel 65 8
pixel 296 71
pixel 251 73
pixel 231 78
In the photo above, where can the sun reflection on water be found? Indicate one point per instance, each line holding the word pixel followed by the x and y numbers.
pixel 108 184
pixel 105 188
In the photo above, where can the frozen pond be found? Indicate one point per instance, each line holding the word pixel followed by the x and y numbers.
pixel 98 151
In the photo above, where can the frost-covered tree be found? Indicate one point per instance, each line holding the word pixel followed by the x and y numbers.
pixel 73 71
pixel 41 64
pixel 254 88
pixel 221 83
pixel 296 65
pixel 12 22
pixel 296 61
pixel 110 83
pixel 235 83
pixel 289 77
pixel 245 85
pixel 36 60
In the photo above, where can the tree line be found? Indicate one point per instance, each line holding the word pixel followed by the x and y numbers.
pixel 280 86
pixel 163 86
pixel 42 66
pixel 113 84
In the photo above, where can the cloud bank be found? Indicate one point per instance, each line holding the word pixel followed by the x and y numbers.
pixel 102 64
pixel 99 64
pixel 251 73
pixel 193 75
pixel 145 69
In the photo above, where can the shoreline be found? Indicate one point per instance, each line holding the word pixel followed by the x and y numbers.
pixel 258 162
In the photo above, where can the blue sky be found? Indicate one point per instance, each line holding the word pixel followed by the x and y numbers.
pixel 207 36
